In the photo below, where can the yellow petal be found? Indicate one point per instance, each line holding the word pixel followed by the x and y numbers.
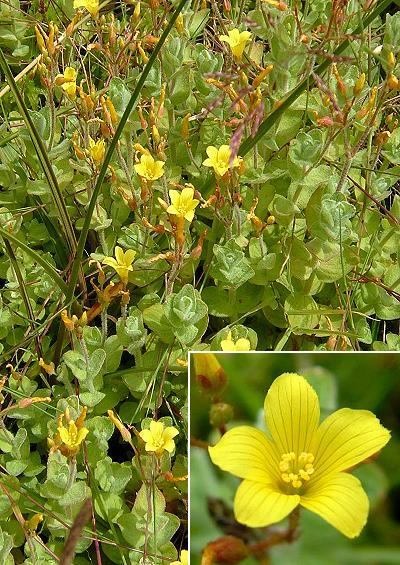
pixel 212 152
pixel 258 505
pixel 169 445
pixel 292 413
pixel 341 501
pixel 175 198
pixel 247 453
pixel 187 196
pixel 64 435
pixel 242 344
pixel 83 432
pixel 224 153
pixel 169 433
pixel 346 438
pixel 119 255
pixel 156 428
pixel 130 255
pixel 146 435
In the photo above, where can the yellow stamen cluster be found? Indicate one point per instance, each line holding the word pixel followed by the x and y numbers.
pixel 296 469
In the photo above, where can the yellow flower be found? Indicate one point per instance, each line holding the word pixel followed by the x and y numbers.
pixel 159 438
pixel 219 159
pixel 210 376
pixel 305 462
pixel 184 560
pixel 241 344
pixel 67 81
pixel 148 168
pixel 92 6
pixel 183 203
pixel 97 150
pixel 72 437
pixel 237 41
pixel 122 263
pixel 68 438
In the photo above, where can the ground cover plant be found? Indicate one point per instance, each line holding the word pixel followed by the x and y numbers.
pixel 300 465
pixel 175 175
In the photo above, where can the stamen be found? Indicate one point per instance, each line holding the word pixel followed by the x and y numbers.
pixel 296 469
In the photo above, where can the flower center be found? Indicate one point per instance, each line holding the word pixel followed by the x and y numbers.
pixel 158 440
pixel 296 469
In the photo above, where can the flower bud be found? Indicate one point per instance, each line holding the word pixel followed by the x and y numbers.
pixel 220 414
pixel 210 376
pixel 359 85
pixel 227 549
pixel 393 82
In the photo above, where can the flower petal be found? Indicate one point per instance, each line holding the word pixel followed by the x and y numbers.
pixel 169 433
pixel 119 255
pixel 292 413
pixel 341 501
pixel 247 453
pixel 258 505
pixel 346 438
pixel 175 198
pixel 110 261
pixel 212 152
pixel 130 255
pixel 146 435
pixel 187 196
pixel 156 428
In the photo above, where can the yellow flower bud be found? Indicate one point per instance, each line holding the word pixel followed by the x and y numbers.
pixel 210 376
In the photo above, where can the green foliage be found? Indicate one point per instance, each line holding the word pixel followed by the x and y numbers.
pixel 294 247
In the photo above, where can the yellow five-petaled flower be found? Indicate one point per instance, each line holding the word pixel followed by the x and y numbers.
pixel 67 81
pixel 184 560
pixel 72 437
pixel 241 344
pixel 305 463
pixel 159 438
pixel 92 6
pixel 219 159
pixel 148 168
pixel 122 263
pixel 237 41
pixel 97 150
pixel 183 203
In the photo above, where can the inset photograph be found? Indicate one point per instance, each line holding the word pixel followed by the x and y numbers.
pixel 294 458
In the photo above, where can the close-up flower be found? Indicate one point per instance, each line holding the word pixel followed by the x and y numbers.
pixel 237 41
pixel 122 263
pixel 67 81
pixel 241 344
pixel 159 438
pixel 302 462
pixel 182 203
pixel 92 6
pixel 97 150
pixel 219 159
pixel 70 435
pixel 148 168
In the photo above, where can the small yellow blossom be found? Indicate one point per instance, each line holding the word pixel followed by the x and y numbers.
pixel 122 263
pixel 67 81
pixel 92 6
pixel 148 168
pixel 69 438
pixel 184 560
pixel 183 203
pixel 219 159
pixel 97 150
pixel 159 438
pixel 237 41
pixel 305 463
pixel 72 437
pixel 241 344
